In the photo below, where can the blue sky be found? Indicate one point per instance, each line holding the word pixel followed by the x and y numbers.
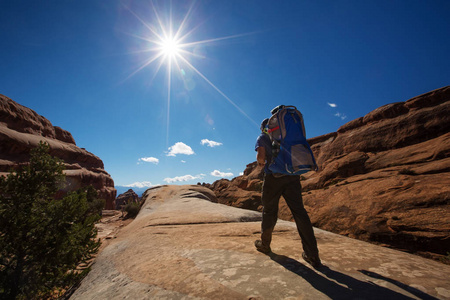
pixel 77 62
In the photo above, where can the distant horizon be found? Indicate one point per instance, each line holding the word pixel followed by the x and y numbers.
pixel 173 92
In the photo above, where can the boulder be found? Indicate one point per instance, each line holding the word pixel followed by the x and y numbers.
pixel 21 129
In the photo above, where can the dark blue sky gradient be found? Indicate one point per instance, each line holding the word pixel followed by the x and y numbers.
pixel 71 62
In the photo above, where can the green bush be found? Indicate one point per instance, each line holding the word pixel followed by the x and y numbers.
pixel 95 205
pixel 132 209
pixel 446 259
pixel 42 239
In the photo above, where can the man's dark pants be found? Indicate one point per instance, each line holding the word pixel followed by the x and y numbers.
pixel 290 188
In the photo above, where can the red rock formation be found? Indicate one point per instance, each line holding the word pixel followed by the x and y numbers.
pixel 21 129
pixel 128 197
pixel 384 177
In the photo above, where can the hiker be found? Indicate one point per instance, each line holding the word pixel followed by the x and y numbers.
pixel 288 186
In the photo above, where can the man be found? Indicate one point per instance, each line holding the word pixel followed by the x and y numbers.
pixel 288 186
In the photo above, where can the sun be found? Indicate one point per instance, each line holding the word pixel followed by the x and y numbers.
pixel 168 43
pixel 170 47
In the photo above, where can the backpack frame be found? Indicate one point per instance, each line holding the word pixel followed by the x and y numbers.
pixel 291 153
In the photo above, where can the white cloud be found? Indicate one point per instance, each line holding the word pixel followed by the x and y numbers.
pixel 217 173
pixel 152 160
pixel 332 104
pixel 183 161
pixel 180 148
pixel 241 173
pixel 339 115
pixel 183 178
pixel 142 184
pixel 210 143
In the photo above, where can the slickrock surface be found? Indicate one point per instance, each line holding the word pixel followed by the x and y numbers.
pixel 384 178
pixel 21 129
pixel 182 245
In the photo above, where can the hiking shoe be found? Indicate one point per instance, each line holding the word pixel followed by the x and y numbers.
pixel 314 262
pixel 261 248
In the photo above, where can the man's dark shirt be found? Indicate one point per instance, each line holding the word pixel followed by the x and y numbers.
pixel 263 140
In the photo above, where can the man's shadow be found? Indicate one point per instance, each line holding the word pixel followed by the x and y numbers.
pixel 348 287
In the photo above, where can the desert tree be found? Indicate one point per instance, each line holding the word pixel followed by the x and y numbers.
pixel 42 238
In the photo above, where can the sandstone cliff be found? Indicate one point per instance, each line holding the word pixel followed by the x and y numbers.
pixel 384 177
pixel 21 129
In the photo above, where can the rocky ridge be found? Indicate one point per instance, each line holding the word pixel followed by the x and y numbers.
pixel 21 129
pixel 384 178
pixel 182 245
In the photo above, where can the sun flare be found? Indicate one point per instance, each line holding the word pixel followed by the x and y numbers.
pixel 170 48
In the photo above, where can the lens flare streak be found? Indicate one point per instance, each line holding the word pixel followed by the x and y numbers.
pixel 218 90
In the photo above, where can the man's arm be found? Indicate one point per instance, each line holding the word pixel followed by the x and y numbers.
pixel 261 156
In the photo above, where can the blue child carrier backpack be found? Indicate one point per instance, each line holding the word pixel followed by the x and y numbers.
pixel 291 153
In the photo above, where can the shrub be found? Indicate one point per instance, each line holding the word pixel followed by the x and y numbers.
pixel 42 239
pixel 95 205
pixel 132 209
pixel 446 259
